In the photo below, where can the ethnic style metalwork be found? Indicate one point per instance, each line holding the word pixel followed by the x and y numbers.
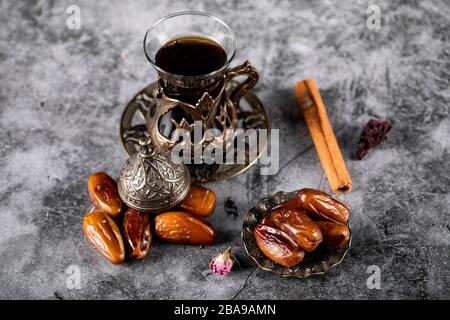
pixel 214 109
pixel 149 181
pixel 249 114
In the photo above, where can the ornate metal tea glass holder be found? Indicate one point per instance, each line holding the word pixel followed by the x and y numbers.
pixel 215 100
pixel 218 112
pixel 250 114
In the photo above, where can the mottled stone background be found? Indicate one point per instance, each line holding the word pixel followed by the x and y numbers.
pixel 62 92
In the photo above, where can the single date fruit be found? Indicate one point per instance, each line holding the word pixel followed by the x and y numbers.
pixel 298 226
pixel 103 194
pixel 320 206
pixel 137 234
pixel 184 228
pixel 104 234
pixel 200 201
pixel 278 246
pixel 335 236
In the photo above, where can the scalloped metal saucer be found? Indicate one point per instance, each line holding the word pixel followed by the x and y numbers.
pixel 317 262
pixel 250 115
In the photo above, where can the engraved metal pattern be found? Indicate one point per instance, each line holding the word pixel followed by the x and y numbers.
pixel 150 182
pixel 205 110
pixel 213 110
pixel 316 262
pixel 178 82
pixel 250 114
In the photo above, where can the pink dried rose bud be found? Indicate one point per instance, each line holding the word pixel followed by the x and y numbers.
pixel 223 262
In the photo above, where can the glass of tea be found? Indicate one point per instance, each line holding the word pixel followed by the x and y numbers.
pixel 192 52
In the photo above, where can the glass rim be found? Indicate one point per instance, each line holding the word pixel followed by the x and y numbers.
pixel 185 13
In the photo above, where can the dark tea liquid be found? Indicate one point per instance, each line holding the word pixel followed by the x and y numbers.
pixel 191 56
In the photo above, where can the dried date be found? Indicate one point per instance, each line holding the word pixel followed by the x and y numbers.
pixel 137 234
pixel 298 226
pixel 335 236
pixel 277 245
pixel 320 206
pixel 104 234
pixel 184 228
pixel 103 194
pixel 200 201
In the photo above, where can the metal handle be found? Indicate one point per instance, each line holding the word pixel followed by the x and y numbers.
pixel 252 78
pixel 147 150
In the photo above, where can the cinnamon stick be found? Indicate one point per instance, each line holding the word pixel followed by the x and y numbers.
pixel 315 114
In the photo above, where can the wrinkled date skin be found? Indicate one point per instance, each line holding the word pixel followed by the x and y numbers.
pixel 278 246
pixel 335 236
pixel 184 228
pixel 200 201
pixel 320 206
pixel 297 225
pixel 104 234
pixel 137 234
pixel 103 194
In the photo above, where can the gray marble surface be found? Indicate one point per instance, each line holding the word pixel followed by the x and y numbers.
pixel 62 93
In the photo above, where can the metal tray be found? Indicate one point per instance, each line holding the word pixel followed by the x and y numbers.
pixel 316 262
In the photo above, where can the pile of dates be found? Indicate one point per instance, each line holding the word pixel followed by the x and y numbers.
pixel 312 219
pixel 117 231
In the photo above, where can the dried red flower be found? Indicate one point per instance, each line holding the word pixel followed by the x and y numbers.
pixel 373 134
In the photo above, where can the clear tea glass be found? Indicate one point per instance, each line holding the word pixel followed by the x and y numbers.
pixel 203 25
